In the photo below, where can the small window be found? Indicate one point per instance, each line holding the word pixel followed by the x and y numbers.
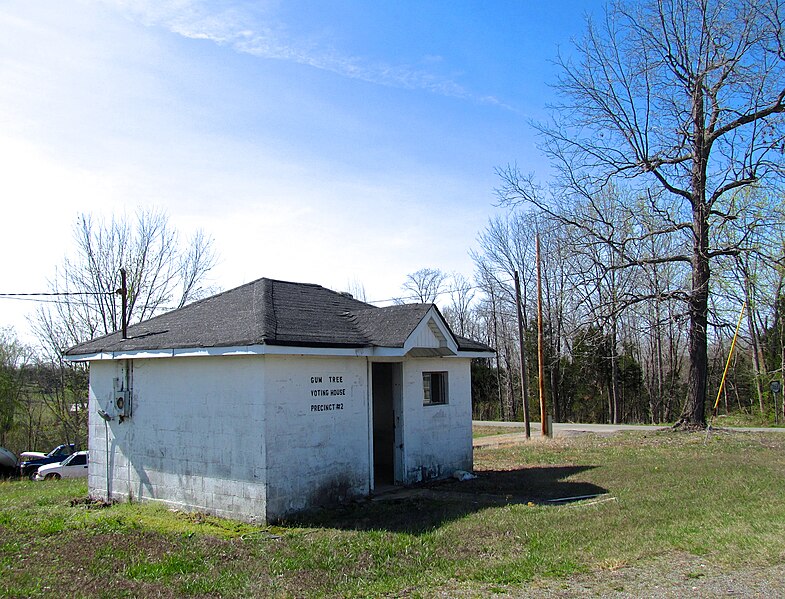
pixel 434 386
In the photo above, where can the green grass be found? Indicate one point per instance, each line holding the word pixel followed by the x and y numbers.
pixel 754 419
pixel 487 431
pixel 663 493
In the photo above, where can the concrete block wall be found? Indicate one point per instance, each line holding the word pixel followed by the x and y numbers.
pixel 261 437
pixel 437 438
pixel 195 439
pixel 317 432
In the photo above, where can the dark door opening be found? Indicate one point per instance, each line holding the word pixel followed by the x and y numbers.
pixel 383 425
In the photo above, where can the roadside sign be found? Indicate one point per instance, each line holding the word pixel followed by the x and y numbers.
pixel 776 387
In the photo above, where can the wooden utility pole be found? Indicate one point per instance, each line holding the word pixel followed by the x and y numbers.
pixel 540 356
pixel 524 384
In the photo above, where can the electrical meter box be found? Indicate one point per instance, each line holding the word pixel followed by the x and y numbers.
pixel 121 402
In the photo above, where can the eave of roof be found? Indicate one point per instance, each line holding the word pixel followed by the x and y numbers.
pixel 265 350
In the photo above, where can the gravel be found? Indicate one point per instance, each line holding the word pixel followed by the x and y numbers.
pixel 675 576
pixel 678 575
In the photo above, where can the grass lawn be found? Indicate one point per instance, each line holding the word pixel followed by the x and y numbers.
pixel 487 431
pixel 651 496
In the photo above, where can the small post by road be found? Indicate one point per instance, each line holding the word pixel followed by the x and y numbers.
pixel 776 389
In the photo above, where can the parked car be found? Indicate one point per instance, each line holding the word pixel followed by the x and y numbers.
pixel 26 456
pixel 74 466
pixel 28 468
pixel 7 462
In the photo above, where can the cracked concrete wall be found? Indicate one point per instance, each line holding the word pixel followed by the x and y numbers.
pixel 261 437
pixel 195 439
pixel 437 438
pixel 317 432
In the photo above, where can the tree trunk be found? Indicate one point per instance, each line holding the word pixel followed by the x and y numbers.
pixel 758 360
pixel 510 406
pixel 782 349
pixel 614 386
pixel 756 357
pixel 694 413
pixel 660 374
pixel 674 366
pixel 522 356
pixel 555 391
pixel 496 357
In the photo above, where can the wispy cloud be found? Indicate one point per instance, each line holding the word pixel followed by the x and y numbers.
pixel 253 30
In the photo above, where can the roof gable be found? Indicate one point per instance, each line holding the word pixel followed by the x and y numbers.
pixel 432 337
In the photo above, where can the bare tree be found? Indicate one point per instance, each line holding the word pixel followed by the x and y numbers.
pixel 685 95
pixel 14 357
pixel 458 312
pixel 754 278
pixel 506 246
pixel 659 335
pixel 357 290
pixel 425 285
pixel 163 274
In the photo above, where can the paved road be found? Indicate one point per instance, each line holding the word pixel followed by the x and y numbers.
pixel 563 429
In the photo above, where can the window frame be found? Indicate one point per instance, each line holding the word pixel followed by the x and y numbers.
pixel 442 388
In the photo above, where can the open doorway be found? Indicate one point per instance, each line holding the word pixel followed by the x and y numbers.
pixel 386 389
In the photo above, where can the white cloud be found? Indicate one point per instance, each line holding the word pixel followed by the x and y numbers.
pixel 101 115
pixel 256 32
pixel 41 200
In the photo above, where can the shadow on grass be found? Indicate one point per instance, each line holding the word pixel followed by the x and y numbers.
pixel 537 484
pixel 423 508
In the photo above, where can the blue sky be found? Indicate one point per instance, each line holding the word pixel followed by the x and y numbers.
pixel 318 142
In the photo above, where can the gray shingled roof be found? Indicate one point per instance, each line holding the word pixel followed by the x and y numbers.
pixel 272 312
pixel 390 326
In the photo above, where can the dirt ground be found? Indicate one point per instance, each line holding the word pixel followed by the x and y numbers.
pixel 679 576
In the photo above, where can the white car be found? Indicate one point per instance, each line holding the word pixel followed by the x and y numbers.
pixel 74 466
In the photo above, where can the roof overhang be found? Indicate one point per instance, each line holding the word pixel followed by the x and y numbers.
pixel 267 350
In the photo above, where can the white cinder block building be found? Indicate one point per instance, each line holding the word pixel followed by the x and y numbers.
pixel 275 397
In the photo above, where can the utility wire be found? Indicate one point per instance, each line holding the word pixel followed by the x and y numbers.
pixel 32 299
pixel 9 295
pixel 37 297
pixel 31 296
